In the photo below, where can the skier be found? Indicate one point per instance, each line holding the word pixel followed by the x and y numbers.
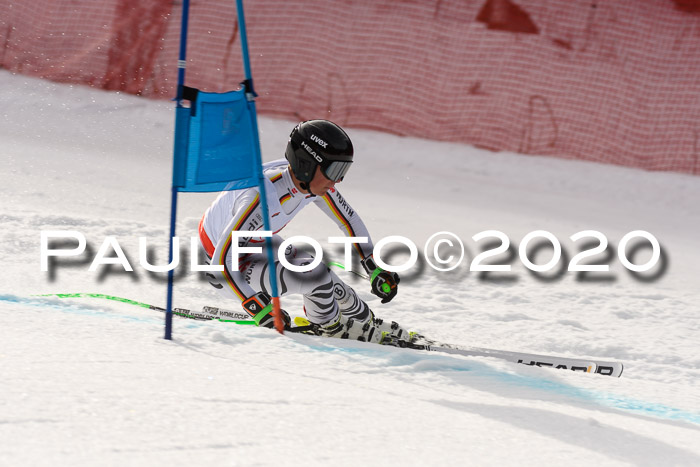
pixel 318 155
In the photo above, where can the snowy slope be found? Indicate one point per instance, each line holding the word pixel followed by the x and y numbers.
pixel 86 380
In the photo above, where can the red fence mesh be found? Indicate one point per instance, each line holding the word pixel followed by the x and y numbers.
pixel 615 81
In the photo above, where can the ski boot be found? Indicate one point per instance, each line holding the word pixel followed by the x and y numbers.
pixel 373 330
pixel 391 332
pixel 350 328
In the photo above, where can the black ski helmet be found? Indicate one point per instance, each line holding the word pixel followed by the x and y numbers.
pixel 319 142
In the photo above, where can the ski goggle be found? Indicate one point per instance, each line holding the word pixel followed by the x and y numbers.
pixel 335 170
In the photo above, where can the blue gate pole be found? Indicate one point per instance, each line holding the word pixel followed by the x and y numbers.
pixel 181 63
pixel 250 95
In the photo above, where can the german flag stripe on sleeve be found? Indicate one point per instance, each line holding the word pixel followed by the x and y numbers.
pixel 342 219
pixel 204 239
pixel 276 177
pixel 227 246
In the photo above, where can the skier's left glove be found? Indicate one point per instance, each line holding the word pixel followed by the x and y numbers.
pixel 384 283
pixel 259 306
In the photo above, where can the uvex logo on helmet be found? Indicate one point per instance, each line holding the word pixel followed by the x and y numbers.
pixel 319 141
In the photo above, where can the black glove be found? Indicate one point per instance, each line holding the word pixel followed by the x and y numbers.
pixel 384 283
pixel 259 306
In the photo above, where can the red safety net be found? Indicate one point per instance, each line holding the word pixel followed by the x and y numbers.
pixel 614 81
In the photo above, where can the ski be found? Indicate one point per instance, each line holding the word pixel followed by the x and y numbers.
pixel 584 365
pixel 208 313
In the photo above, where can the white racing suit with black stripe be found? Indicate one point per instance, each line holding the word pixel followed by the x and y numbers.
pixel 327 299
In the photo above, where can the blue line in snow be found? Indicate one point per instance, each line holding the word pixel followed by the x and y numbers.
pixel 69 307
pixel 628 404
pixel 650 409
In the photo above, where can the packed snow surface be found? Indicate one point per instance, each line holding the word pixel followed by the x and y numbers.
pixel 88 381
